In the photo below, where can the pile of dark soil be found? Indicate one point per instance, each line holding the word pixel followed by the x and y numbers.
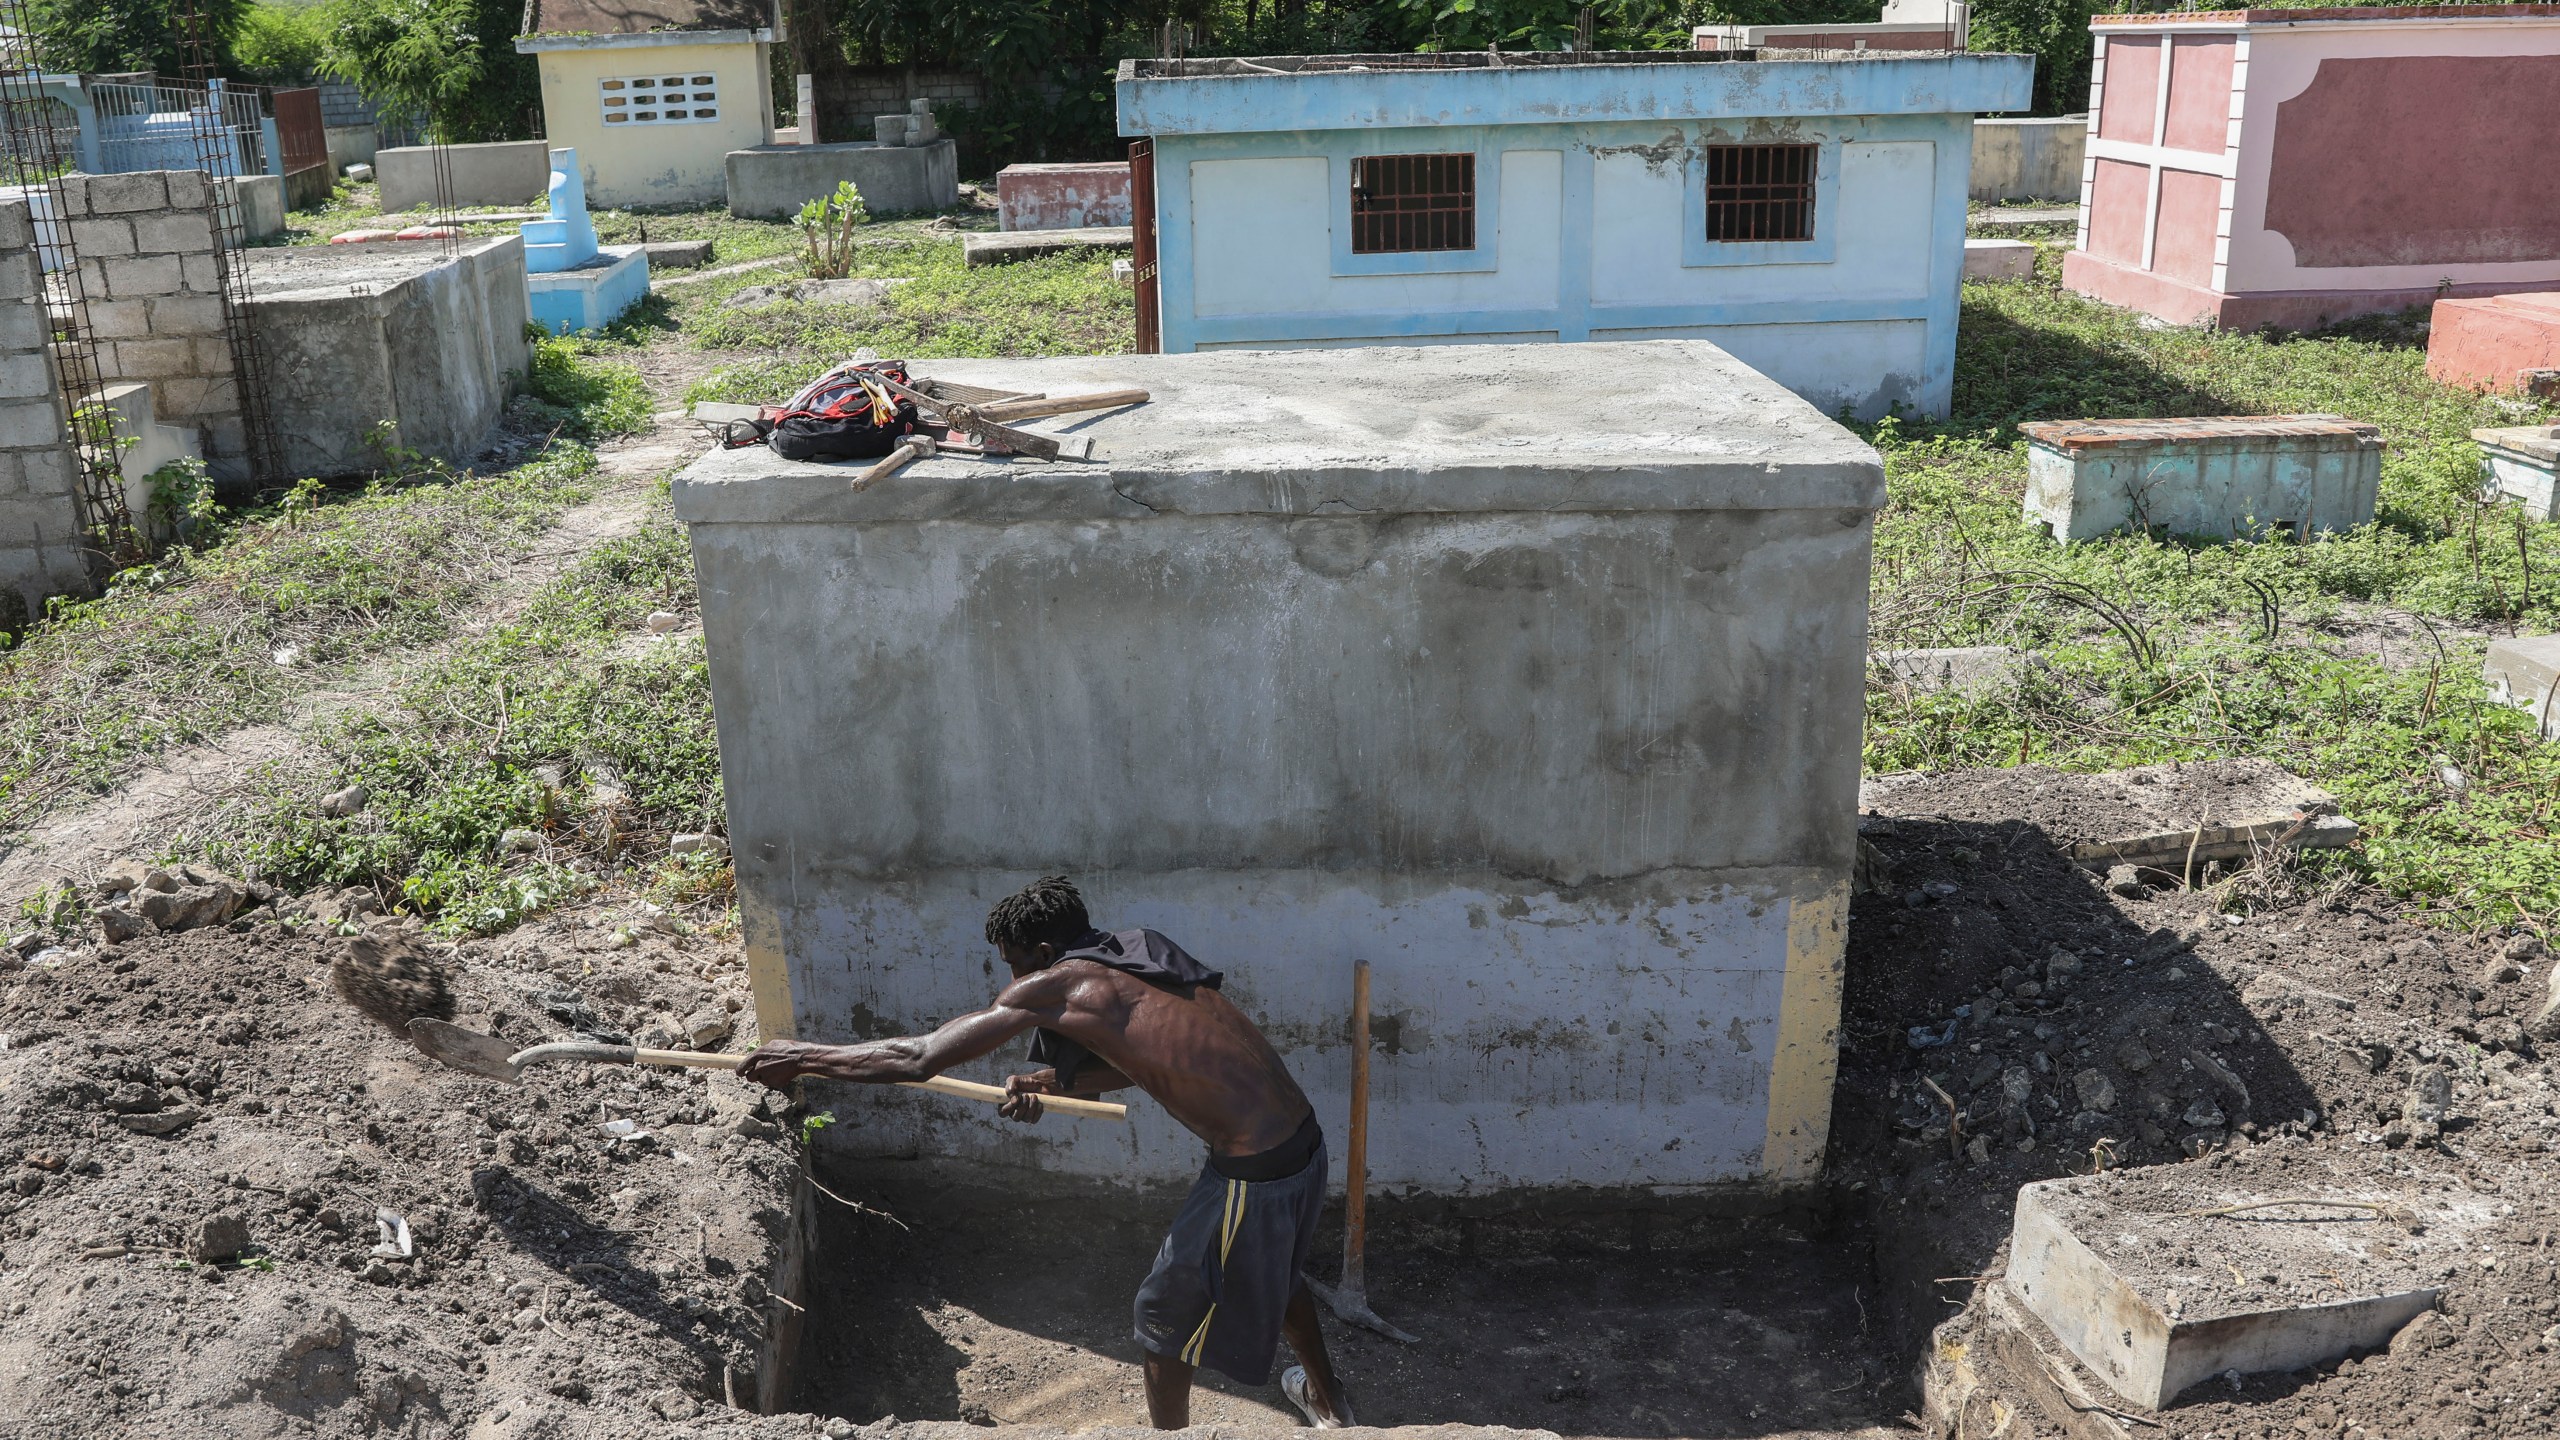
pixel 2009 1020
pixel 234 1207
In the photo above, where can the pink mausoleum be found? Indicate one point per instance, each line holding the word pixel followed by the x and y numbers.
pixel 2295 168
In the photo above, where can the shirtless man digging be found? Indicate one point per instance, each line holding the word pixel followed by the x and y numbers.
pixel 1110 1011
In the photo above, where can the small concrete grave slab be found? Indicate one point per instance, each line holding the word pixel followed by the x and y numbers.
pixel 2525 672
pixel 863 292
pixel 2160 1277
pixel 2523 463
pixel 2218 475
pixel 1996 259
pixel 2154 817
pixel 1929 670
pixel 676 254
pixel 1005 247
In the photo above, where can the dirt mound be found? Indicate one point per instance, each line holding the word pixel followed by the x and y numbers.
pixel 232 1206
pixel 2009 1020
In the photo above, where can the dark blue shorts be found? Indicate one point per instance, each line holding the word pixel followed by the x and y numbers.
pixel 1227 1269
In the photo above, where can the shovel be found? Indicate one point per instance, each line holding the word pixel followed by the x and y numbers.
pixel 490 1056
pixel 1350 1301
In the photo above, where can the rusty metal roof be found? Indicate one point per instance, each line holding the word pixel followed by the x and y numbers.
pixel 2197 429
pixel 641 17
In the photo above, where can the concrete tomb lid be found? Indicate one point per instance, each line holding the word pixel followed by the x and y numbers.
pixel 1600 427
pixel 2072 435
pixel 2531 442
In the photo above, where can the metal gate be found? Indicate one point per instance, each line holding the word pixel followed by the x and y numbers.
pixel 1142 245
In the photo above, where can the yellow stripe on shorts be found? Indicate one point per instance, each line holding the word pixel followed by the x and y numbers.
pixel 1229 1223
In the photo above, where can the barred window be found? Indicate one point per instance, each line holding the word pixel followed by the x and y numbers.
pixel 1760 192
pixel 659 99
pixel 1412 202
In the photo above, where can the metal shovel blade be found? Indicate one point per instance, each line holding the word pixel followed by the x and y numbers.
pixel 1352 1308
pixel 444 1041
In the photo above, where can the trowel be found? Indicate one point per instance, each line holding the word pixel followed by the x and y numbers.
pixel 488 1055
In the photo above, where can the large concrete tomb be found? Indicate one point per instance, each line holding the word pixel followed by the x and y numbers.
pixel 1535 685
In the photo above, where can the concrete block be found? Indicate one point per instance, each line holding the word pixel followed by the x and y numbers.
pixel 23 326
pixel 589 298
pixel 179 232
pixel 1003 248
pixel 17 225
pixel 1275 548
pixel 13 479
pixel 199 275
pixel 119 319
pixel 2139 1288
pixel 105 238
pixel 130 192
pixel 1062 197
pixel 677 254
pixel 18 275
pixel 148 359
pixel 772 182
pixel 54 470
pixel 176 316
pixel 1988 259
pixel 26 376
pixel 140 276
pixel 2029 157
pixel 2523 463
pixel 187 189
pixel 2487 342
pixel 2216 477
pixel 30 424
pixel 2524 671
pixel 507 172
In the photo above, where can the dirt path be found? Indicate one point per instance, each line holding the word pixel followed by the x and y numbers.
pixel 139 816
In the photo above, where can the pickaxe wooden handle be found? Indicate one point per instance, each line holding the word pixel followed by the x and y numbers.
pixel 910 450
pixel 1031 406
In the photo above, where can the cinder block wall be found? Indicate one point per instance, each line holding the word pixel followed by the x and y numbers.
pixel 39 506
pixel 145 242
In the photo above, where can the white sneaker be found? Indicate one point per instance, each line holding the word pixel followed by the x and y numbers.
pixel 1293 1383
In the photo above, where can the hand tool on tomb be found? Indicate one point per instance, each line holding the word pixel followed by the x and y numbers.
pixel 911 449
pixel 487 1055
pixel 1349 1301
pixel 994 437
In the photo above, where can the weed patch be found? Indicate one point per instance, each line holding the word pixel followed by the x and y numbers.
pixel 590 398
pixel 217 635
pixel 522 767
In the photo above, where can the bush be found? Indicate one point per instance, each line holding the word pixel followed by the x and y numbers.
pixel 280 44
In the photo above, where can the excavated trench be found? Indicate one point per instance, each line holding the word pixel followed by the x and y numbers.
pixel 988 1308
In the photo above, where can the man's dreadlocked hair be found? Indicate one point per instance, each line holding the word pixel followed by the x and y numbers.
pixel 1047 909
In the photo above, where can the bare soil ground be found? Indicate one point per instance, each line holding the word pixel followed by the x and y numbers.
pixel 985 1309
pixel 2323 1036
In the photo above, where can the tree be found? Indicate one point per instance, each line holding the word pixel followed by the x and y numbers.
pixel 279 44
pixel 2056 32
pixel 121 35
pixel 452 61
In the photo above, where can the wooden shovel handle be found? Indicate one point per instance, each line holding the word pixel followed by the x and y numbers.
pixel 1032 408
pixel 944 1084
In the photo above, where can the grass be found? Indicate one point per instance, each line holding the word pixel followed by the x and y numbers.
pixel 2352 658
pixel 570 724
pixel 219 635
pixel 1057 305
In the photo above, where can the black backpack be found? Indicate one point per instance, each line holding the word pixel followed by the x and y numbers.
pixel 836 417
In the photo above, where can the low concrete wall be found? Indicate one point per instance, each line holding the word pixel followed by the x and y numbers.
pixel 773 181
pixel 2029 158
pixel 1062 197
pixel 392 330
pixel 508 172
pixel 352 145
pixel 1550 709
pixel 39 514
pixel 261 203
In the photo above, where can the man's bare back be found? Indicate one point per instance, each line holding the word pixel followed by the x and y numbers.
pixel 1134 1010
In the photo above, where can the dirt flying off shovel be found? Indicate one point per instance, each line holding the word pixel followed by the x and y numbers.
pixel 488 1055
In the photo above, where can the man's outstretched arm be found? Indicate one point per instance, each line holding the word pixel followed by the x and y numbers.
pixel 911 1057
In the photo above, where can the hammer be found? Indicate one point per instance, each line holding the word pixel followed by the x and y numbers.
pixel 994 438
pixel 911 449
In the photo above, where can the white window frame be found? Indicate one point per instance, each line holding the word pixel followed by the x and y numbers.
pixel 620 99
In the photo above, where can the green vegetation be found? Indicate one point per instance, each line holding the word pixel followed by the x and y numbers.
pixel 220 634
pixel 280 44
pixel 2351 658
pixel 1057 305
pixel 502 777
pixel 453 61
pixel 583 396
